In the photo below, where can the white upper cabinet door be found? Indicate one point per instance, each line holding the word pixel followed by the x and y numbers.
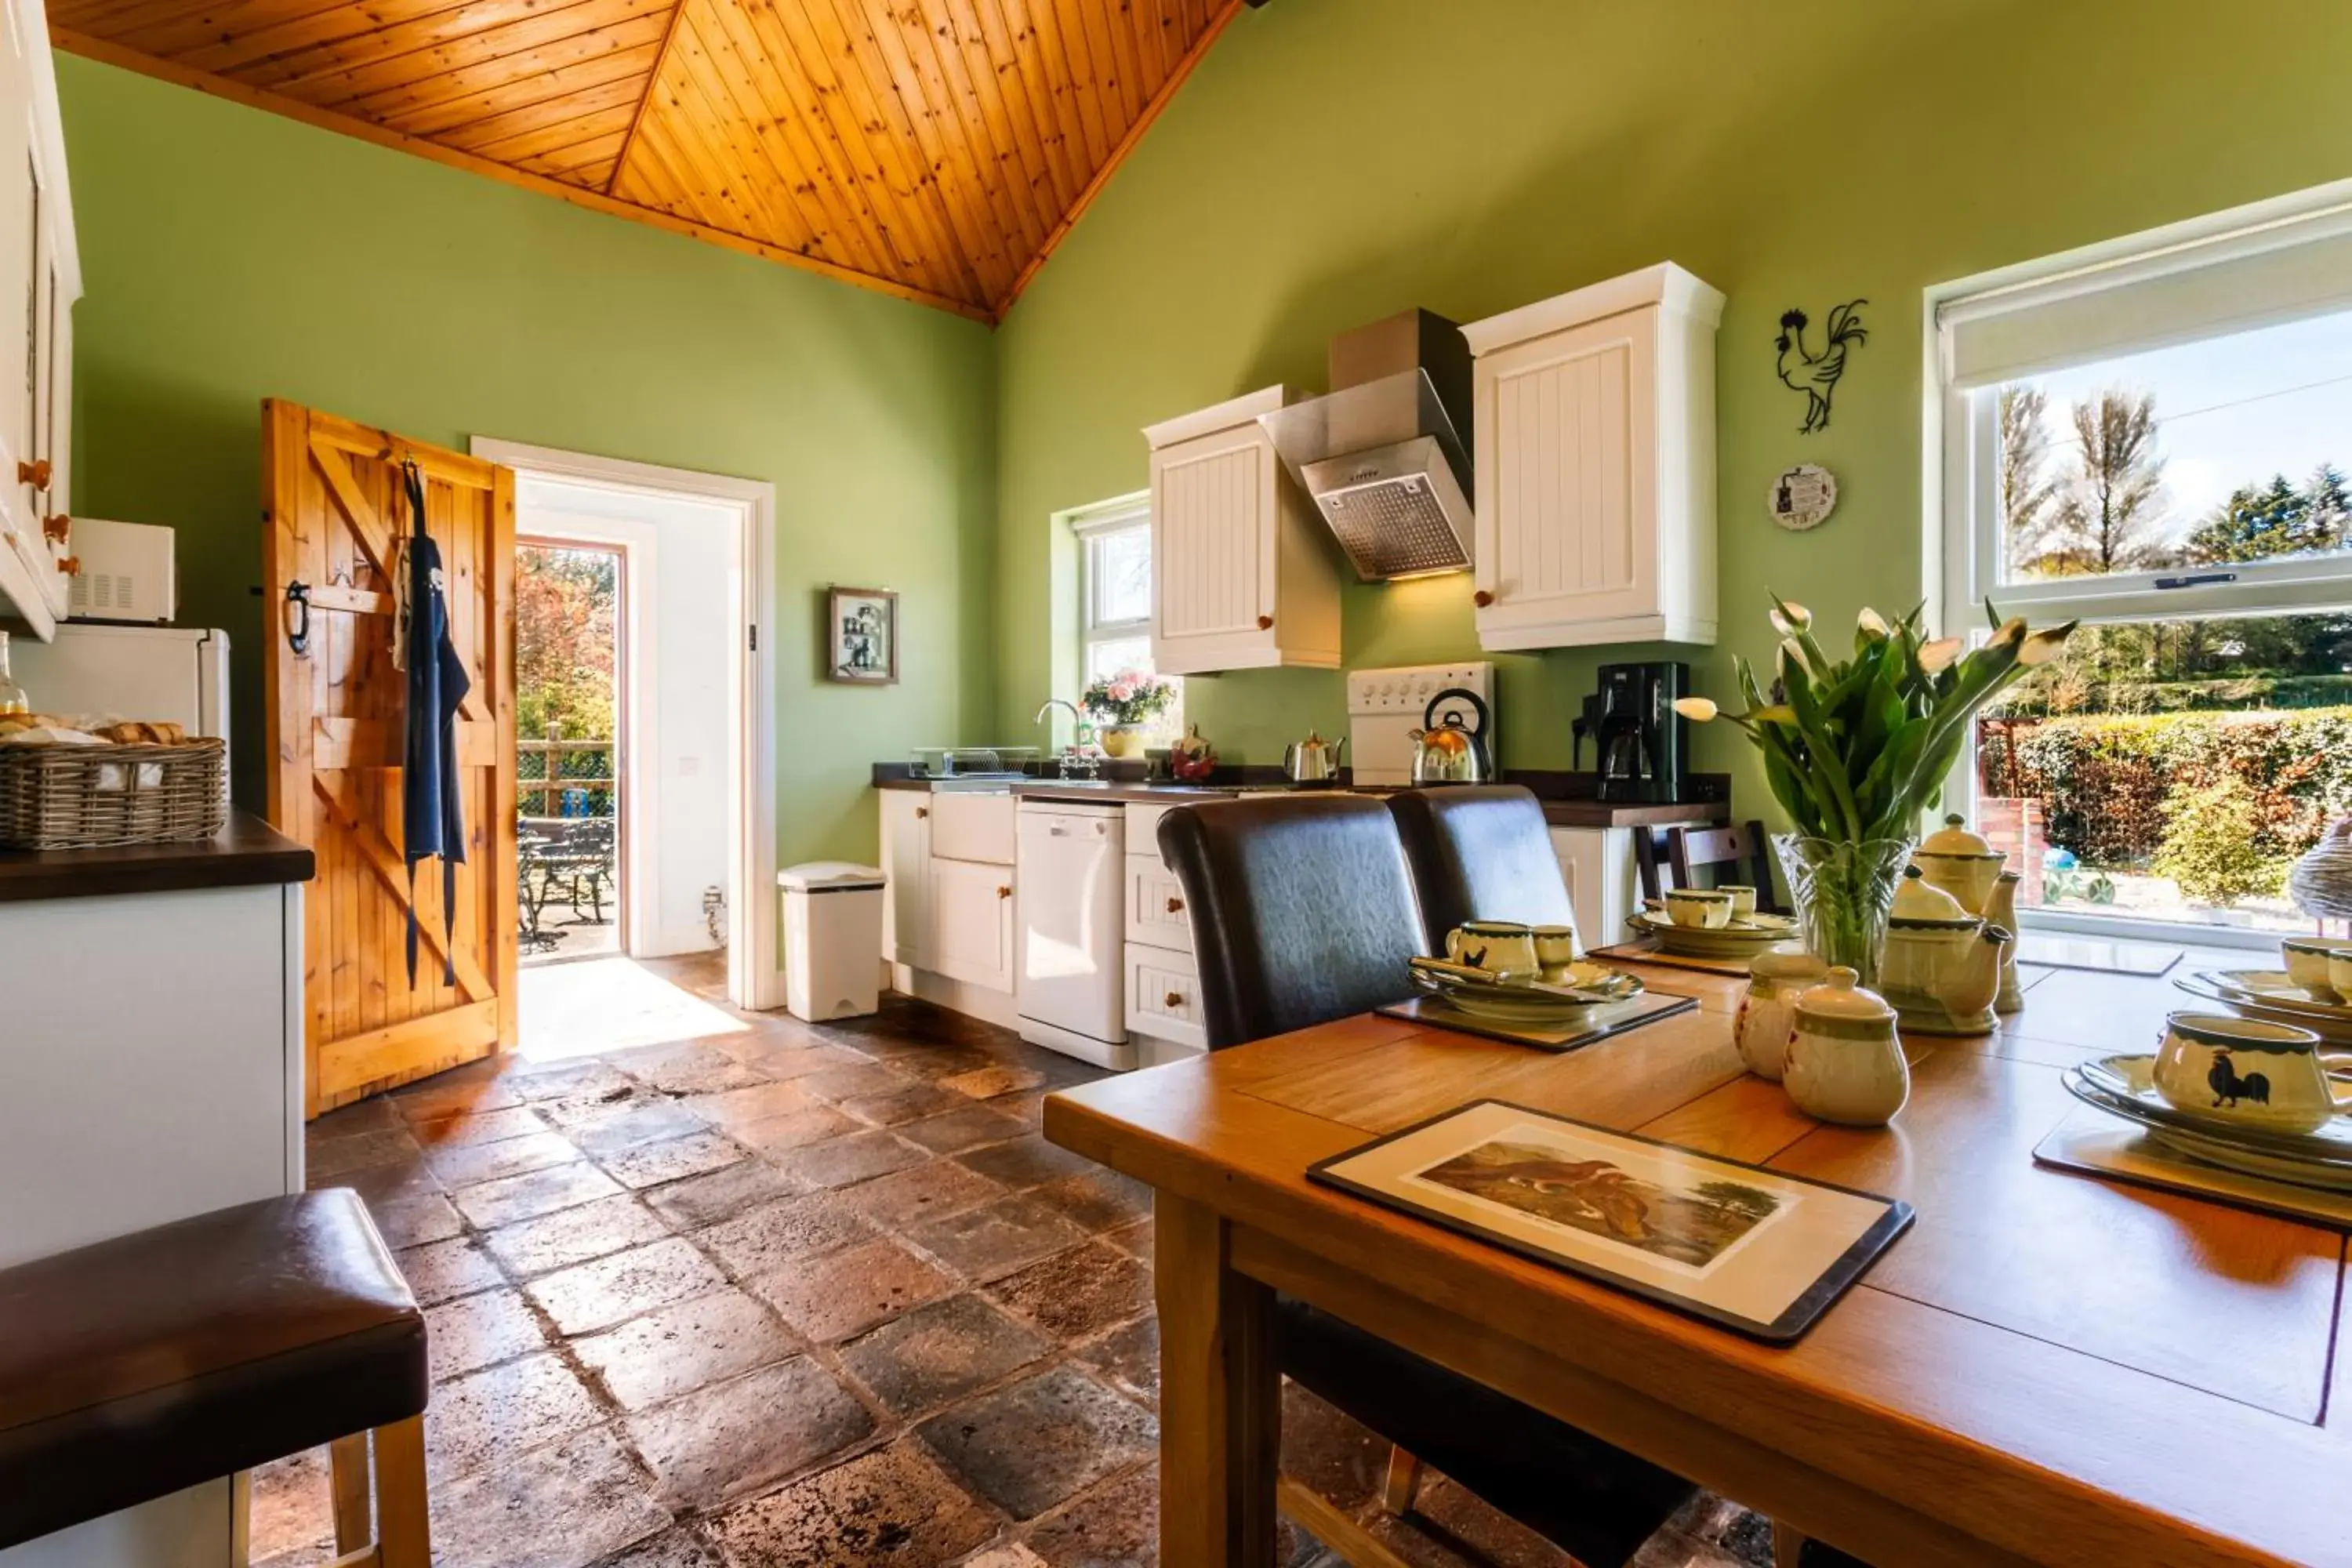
pixel 1240 578
pixel 1595 415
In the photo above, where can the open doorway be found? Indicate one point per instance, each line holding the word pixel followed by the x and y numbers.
pixel 643 758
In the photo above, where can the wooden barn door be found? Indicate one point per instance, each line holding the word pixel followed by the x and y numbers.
pixel 334 506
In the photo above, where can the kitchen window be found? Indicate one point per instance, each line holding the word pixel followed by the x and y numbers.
pixel 1115 602
pixel 2155 437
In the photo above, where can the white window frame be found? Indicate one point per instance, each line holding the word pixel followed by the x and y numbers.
pixel 1090 524
pixel 1963 544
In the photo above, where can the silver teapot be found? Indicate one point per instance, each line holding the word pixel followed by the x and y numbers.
pixel 1446 750
pixel 1312 760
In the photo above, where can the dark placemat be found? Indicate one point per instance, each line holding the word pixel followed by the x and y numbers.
pixel 1610 1018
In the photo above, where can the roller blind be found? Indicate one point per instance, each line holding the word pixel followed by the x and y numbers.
pixel 2277 272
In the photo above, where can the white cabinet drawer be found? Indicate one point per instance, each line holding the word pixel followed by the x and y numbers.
pixel 1156 913
pixel 974 826
pixel 1143 826
pixel 1163 995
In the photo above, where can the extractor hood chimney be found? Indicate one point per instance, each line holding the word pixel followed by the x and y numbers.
pixel 1385 456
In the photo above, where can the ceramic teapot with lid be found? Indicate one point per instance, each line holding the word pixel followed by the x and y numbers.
pixel 1845 1063
pixel 1942 968
pixel 1961 862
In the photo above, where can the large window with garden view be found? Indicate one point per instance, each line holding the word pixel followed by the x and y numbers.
pixel 2158 443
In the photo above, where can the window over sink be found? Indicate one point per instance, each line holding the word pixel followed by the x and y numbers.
pixel 2155 437
pixel 1115 602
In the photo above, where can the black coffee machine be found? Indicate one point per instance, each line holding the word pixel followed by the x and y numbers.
pixel 1642 745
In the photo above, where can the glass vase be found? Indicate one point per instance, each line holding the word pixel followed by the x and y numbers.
pixel 1844 891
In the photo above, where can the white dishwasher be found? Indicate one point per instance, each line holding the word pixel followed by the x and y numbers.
pixel 1071 957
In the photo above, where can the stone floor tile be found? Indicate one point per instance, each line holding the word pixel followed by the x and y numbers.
pixel 700 1071
pixel 1079 1293
pixel 566 1080
pixel 988 1082
pixel 467 1164
pixel 625 1124
pixel 943 1351
pixel 996 1239
pixel 491 1205
pixel 453 1093
pixel 564 1506
pixel 415 1219
pixel 1011 1554
pixel 1026 1162
pixel 772 1235
pixel 856 1157
pixel 733 1439
pixel 687 1345
pixel 1136 1240
pixel 919 1192
pixel 784 1062
pixel 704 1200
pixel 651 1164
pixel 795 1128
pixel 968 1128
pixel 671 1549
pixel 1030 1446
pixel 567 1236
pixel 891 1508
pixel 477 1420
pixel 591 1296
pixel 479 1330
pixel 1450 1526
pixel 379 1113
pixel 1098 1199
pixel 475 1127
pixel 1338 1460
pixel 867 1078
pixel 324 1160
pixel 292 1513
pixel 1117 1525
pixel 1128 1359
pixel 1030 1107
pixel 847 1292
pixel 762 1099
pixel 908 1104
pixel 444 1270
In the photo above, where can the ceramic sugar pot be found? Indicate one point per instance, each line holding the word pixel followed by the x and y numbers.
pixel 1845 1063
pixel 1768 1010
pixel 1960 862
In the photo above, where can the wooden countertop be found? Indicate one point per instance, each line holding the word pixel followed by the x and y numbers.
pixel 248 852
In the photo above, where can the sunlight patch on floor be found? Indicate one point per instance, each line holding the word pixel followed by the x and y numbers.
pixel 608 1004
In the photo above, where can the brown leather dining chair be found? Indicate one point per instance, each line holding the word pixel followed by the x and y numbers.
pixel 1303 911
pixel 1481 852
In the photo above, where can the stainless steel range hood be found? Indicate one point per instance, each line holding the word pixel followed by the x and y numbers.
pixel 1385 456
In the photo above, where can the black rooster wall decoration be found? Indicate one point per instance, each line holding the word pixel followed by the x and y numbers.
pixel 1816 374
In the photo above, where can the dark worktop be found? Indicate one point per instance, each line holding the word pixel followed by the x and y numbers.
pixel 248 852
pixel 1568 798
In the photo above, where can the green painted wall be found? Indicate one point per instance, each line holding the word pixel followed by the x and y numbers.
pixel 231 255
pixel 1333 160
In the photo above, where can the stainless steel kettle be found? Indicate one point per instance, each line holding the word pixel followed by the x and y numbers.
pixel 1446 752
pixel 1312 760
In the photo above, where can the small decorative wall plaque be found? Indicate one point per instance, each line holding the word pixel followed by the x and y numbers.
pixel 1816 374
pixel 862 636
pixel 1803 496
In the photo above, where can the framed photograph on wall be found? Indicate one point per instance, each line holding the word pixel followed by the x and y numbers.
pixel 1748 1248
pixel 861 635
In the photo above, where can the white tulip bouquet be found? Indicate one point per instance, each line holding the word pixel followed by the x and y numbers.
pixel 1857 748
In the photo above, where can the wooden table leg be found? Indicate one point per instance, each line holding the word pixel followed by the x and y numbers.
pixel 1220 1397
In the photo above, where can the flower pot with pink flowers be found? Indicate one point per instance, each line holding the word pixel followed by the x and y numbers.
pixel 1121 705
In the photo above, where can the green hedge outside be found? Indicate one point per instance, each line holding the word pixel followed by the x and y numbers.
pixel 2259 693
pixel 2103 781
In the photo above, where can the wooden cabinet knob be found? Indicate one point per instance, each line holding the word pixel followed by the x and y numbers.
pixel 1173 999
pixel 70 566
pixel 1265 623
pixel 1482 598
pixel 56 528
pixel 1175 906
pixel 34 473
pixel 921 812
pixel 1004 892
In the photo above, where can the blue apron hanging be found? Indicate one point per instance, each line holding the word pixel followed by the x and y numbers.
pixel 433 812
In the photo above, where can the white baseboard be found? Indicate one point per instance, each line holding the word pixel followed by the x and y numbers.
pixel 1070 1043
pixel 956 995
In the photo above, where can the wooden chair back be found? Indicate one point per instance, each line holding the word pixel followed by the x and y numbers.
pixel 1669 857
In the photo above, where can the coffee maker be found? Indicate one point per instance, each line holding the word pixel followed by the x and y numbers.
pixel 1643 744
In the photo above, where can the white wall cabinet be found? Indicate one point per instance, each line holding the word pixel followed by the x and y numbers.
pixel 1595 508
pixel 1242 570
pixel 40 280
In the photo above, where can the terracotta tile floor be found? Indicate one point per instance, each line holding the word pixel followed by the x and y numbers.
pixel 802 1296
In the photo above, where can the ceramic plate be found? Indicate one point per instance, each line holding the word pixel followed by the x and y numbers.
pixel 2272 988
pixel 1584 986
pixel 1743 939
pixel 2124 1084
pixel 2333 1024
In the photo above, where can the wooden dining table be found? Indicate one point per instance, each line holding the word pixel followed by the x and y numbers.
pixel 2047 1367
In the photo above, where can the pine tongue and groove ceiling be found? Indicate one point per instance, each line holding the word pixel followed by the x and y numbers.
pixel 933 149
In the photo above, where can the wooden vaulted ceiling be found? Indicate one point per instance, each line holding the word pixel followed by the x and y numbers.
pixel 934 149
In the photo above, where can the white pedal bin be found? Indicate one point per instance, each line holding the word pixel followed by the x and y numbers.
pixel 833 939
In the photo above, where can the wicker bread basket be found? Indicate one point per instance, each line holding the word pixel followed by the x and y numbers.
pixel 101 797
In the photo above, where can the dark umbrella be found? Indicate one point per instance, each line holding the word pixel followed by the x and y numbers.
pixel 432 811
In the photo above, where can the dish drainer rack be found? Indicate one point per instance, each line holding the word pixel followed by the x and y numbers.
pixel 973 761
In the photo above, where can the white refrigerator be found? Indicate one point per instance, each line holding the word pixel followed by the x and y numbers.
pixel 163 675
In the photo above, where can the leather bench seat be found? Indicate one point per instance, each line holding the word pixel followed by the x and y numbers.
pixel 138 1366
